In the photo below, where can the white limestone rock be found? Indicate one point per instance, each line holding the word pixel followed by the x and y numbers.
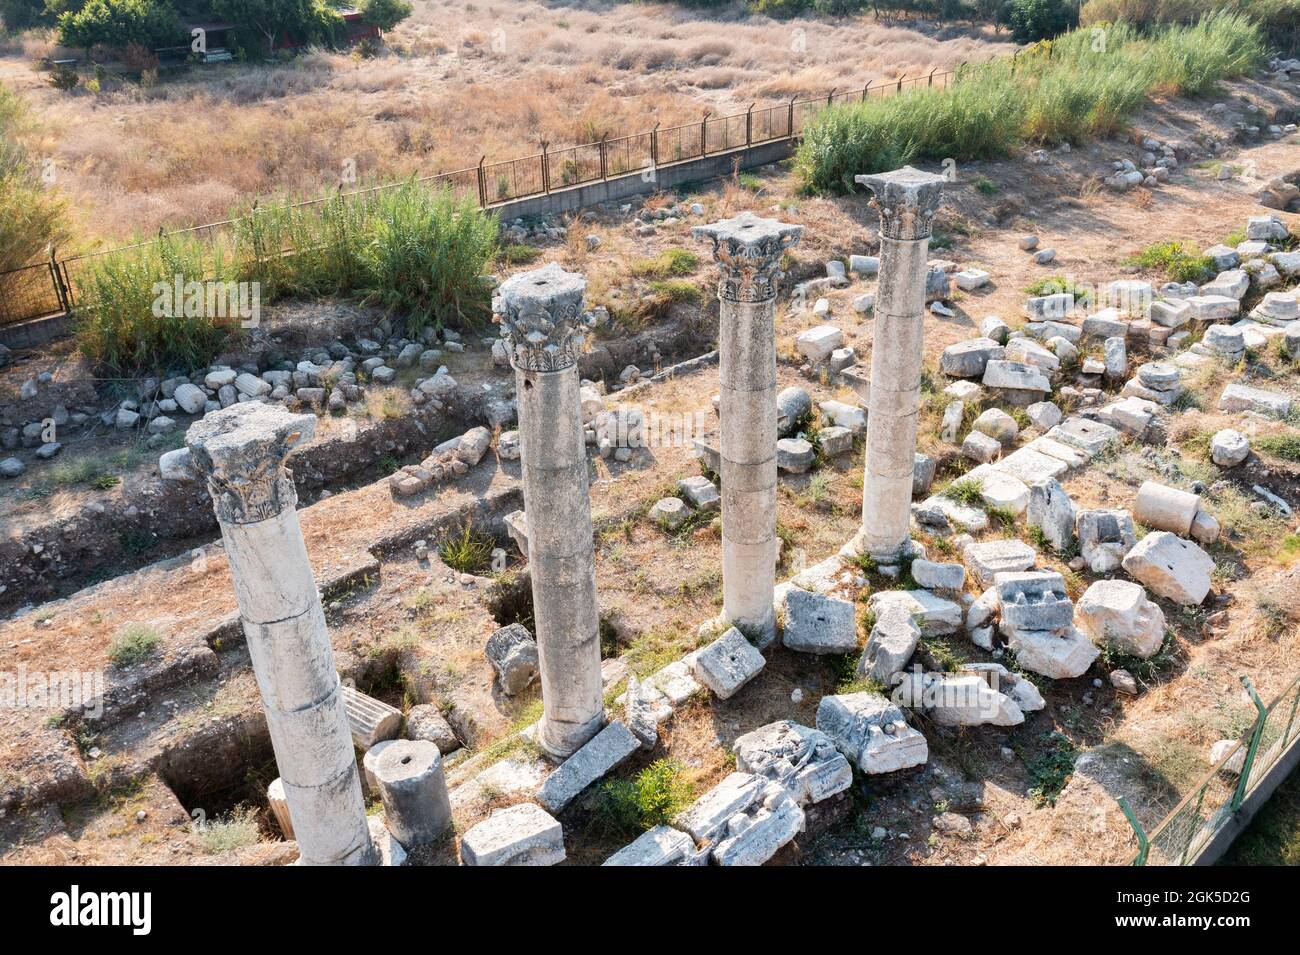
pixel 892 642
pixel 802 760
pixel 660 846
pixel 816 344
pixel 517 836
pixel 512 651
pixel 871 732
pixel 1166 508
pixel 1238 397
pixel 1174 568
pixel 727 664
pixel 1118 614
pixel 598 756
pixel 987 559
pixel 1051 511
pixel 816 623
pixel 958 700
pixel 933 614
pixel 1061 656
pixel 1105 537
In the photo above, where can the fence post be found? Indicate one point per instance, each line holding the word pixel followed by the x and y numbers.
pixel 59 291
pixel 789 122
pixel 931 80
pixel 900 83
pixel 1286 735
pixel 830 97
pixel 546 169
pixel 482 183
pixel 704 133
pixel 1014 58
pixel 1243 780
pixel 749 125
pixel 1143 845
pixel 604 157
pixel 654 147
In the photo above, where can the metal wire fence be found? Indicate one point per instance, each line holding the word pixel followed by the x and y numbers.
pixel 1181 837
pixel 53 287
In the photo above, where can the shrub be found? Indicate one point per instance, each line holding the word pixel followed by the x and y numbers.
pixel 467 550
pixel 652 798
pixel 1284 446
pixel 134 643
pixel 32 217
pixel 426 253
pixel 235 830
pixel 666 263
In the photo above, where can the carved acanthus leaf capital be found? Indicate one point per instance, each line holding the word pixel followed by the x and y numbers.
pixel 542 319
pixel 240 451
pixel 749 249
pixel 907 199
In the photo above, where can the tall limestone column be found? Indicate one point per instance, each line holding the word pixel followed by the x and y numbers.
pixel 541 321
pixel 907 199
pixel 748 250
pixel 241 451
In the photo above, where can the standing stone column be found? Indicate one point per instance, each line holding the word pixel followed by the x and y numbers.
pixel 907 199
pixel 240 451
pixel 541 320
pixel 748 250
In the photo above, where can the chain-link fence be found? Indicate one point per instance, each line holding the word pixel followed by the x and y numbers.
pixel 1181 837
pixel 52 287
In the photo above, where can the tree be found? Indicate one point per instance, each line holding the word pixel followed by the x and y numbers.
pixel 115 23
pixel 1034 20
pixel 384 14
pixel 304 20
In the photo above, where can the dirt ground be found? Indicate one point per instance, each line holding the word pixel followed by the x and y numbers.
pixel 457 80
pixel 412 631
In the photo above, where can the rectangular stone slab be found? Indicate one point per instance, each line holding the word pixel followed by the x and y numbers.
pixel 597 757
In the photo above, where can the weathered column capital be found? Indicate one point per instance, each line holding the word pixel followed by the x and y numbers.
pixel 541 318
pixel 907 198
pixel 749 249
pixel 241 451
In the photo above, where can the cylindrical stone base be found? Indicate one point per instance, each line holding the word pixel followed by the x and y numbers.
pixel 417 810
pixel 561 558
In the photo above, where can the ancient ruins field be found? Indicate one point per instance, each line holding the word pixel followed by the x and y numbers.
pixel 1093 533
pixel 457 81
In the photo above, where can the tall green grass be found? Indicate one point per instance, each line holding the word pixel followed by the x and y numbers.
pixel 117 327
pixel 420 254
pixel 1279 19
pixel 1080 86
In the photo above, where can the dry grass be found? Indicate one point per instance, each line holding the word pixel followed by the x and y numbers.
pixel 459 80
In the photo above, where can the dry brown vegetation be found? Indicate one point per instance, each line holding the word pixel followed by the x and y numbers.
pixel 458 80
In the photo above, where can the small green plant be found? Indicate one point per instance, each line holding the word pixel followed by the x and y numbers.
pixel 1179 262
pixel 1284 446
pixel 467 549
pixel 518 254
pixel 651 798
pixel 1049 767
pixel 233 831
pixel 985 186
pixel 134 643
pixel 667 263
pixel 966 491
pixel 1058 284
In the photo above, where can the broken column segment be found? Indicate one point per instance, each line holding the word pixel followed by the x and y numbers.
pixel 907 199
pixel 241 451
pixel 748 250
pixel 417 809
pixel 541 322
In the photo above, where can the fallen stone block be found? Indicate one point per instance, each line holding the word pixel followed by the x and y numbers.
pixel 892 642
pixel 1105 537
pixel 871 732
pixel 598 756
pixel 958 700
pixel 968 359
pixel 1117 614
pixel 1174 568
pixel 727 664
pixel 512 651
pixel 987 559
pixel 1166 508
pixel 815 623
pixel 1032 601
pixel 1238 397
pixel 1061 656
pixel 933 614
pixel 517 835
pixel 803 760
pixel 660 846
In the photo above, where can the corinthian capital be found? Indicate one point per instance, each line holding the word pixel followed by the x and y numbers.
pixel 907 198
pixel 241 451
pixel 749 249
pixel 541 318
